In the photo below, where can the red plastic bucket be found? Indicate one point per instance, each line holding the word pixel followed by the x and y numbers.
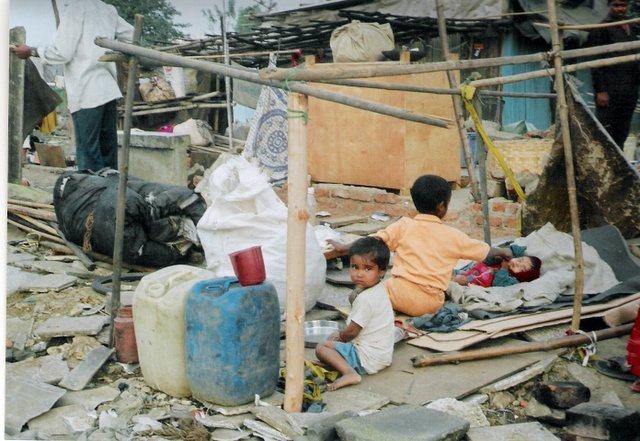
pixel 248 265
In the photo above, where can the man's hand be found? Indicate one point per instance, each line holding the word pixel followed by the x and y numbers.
pixel 23 51
pixel 602 99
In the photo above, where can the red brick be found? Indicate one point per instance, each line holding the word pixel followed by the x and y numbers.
pixel 476 207
pixel 321 192
pixel 478 219
pixel 452 216
pixel 495 221
pixel 510 222
pixel 497 205
pixel 386 198
pixel 398 210
pixel 512 208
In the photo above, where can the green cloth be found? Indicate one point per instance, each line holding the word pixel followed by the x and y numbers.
pixel 503 278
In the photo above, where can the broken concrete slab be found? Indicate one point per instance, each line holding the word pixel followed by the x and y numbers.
pixel 49 369
pixel 542 412
pixel 30 194
pixel 532 371
pixel 79 377
pixel 325 429
pixel 410 423
pixel 13 258
pixel 279 420
pixel 53 267
pixel 264 431
pixel 26 400
pixel 62 421
pixel 512 432
pixel 90 398
pixel 18 331
pixel 19 280
pixel 275 399
pixel 603 421
pixel 466 411
pixel 350 398
pixel 71 326
pixel 228 435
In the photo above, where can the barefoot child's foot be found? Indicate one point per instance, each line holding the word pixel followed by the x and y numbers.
pixel 346 380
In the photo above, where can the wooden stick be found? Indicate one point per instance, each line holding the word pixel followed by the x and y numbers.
pixel 227 80
pixel 206 96
pixel 106 259
pixel 58 248
pixel 587 27
pixel 296 244
pixel 457 103
pixel 435 90
pixel 347 70
pixel 33 212
pixel 561 104
pixel 551 71
pixel 178 108
pixel 123 168
pixel 481 151
pixel 499 351
pixel 17 37
pixel 78 251
pixel 243 54
pixel 220 69
pixel 44 227
pixel 30 204
pixel 35 231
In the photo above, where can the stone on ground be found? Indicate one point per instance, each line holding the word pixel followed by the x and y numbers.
pixel 470 412
pixel 278 419
pixel 325 429
pixel 26 400
pixel 603 421
pixel 71 326
pixel 19 257
pixel 48 369
pixel 18 280
pixel 82 374
pixel 512 432
pixel 90 398
pixel 410 423
pixel 542 412
pixel 18 331
pixel 62 421
pixel 562 394
pixel 354 399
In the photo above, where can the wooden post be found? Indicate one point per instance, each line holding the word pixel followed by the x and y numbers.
pixel 561 104
pixel 227 80
pixel 296 242
pixel 457 103
pixel 481 151
pixel 123 167
pixel 17 36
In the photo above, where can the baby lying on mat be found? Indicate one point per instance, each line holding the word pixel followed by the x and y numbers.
pixel 504 273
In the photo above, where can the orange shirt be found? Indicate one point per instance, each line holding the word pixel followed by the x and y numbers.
pixel 426 250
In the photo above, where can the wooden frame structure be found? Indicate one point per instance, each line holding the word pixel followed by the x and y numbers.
pixel 298 215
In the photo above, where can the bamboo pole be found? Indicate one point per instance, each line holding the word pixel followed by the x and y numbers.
pixel 17 37
pixel 36 223
pixel 588 27
pixel 221 69
pixel 123 168
pixel 227 80
pixel 457 103
pixel 338 71
pixel 296 241
pixel 435 90
pixel 78 251
pixel 551 71
pixel 58 248
pixel 35 231
pixel 499 351
pixel 33 212
pixel 561 104
pixel 242 54
pixel 481 151
pixel 30 204
pixel 178 108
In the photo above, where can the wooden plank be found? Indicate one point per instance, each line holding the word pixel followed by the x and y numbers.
pixel 79 377
pixel 50 155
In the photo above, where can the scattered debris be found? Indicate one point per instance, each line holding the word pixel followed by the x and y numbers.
pixel 562 394
pixel 26 400
pixel 49 369
pixel 541 412
pixel 470 412
pixel 265 431
pixel 279 420
pixel 324 429
pixel 71 326
pixel 353 399
pixel 89 398
pixel 603 421
pixel 512 432
pixel 19 280
pixel 526 375
pixel 18 332
pixel 80 376
pixel 62 421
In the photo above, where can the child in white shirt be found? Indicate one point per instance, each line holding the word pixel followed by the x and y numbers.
pixel 366 345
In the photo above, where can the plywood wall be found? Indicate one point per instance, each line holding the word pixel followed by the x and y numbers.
pixel 353 146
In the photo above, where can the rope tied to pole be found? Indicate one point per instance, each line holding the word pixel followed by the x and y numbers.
pixel 86 238
pixel 294 114
pixel 467 92
pixel 591 348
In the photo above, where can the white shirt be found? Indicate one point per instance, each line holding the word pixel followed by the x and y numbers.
pixel 89 83
pixel 372 310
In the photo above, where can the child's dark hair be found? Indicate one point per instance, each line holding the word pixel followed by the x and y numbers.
pixel 370 246
pixel 428 191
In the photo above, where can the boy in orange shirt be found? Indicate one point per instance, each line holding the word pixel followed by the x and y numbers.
pixel 426 250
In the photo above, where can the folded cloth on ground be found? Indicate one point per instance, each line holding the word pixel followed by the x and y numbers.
pixel 449 318
pixel 557 277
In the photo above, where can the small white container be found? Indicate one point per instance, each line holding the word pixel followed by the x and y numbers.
pixel 312 205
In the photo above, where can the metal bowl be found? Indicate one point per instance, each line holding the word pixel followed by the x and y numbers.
pixel 317 331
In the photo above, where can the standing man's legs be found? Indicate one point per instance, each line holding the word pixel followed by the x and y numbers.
pixel 109 135
pixel 616 118
pixel 87 124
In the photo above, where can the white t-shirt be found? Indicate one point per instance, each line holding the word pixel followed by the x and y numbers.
pixel 372 310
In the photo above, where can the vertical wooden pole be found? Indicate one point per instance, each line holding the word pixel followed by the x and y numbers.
pixel 457 102
pixel 123 167
pixel 296 241
pixel 17 36
pixel 481 151
pixel 561 104
pixel 227 79
pixel 56 13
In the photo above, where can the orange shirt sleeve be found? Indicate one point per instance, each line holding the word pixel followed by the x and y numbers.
pixel 472 249
pixel 392 234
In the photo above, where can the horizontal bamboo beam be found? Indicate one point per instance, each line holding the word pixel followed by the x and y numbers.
pixel 244 54
pixel 550 71
pixel 177 108
pixel 353 70
pixel 33 212
pixel 35 231
pixel 221 69
pixel 587 27
pixel 435 90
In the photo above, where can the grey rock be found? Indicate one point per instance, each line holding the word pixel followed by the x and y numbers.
pixel 603 421
pixel 19 280
pixel 79 377
pixel 512 432
pixel 278 419
pixel 470 412
pixel 71 326
pixel 501 400
pixel 562 394
pixel 18 331
pixel 53 267
pixel 49 369
pixel 476 399
pixel 325 430
pixel 90 398
pixel 354 399
pixel 26 400
pixel 410 423
pixel 19 257
pixel 542 412
pixel 62 421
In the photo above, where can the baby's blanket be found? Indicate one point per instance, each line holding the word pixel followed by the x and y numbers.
pixel 555 249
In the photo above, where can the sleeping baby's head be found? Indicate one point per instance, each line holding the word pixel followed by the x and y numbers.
pixel 525 268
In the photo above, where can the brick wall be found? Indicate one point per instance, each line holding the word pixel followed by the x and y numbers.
pixel 342 200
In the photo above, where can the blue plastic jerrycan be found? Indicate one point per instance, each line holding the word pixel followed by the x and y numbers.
pixel 232 341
